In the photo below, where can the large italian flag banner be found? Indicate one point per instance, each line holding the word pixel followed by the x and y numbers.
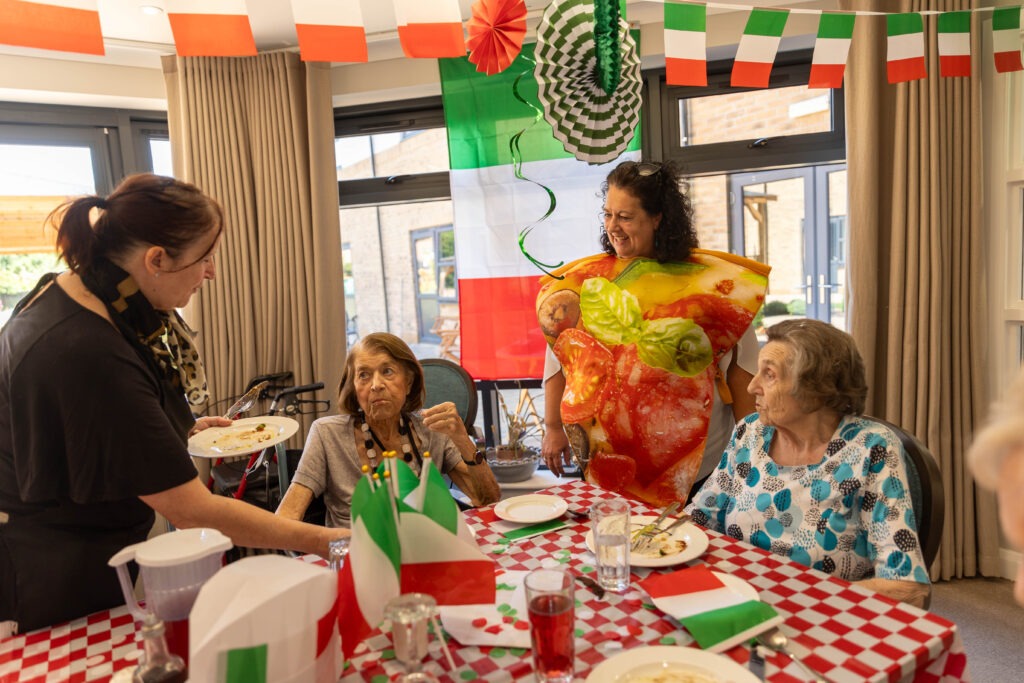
pixel 498 285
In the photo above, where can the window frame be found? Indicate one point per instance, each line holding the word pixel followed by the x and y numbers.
pixel 791 68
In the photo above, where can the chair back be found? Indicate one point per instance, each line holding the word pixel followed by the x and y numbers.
pixel 448 381
pixel 926 494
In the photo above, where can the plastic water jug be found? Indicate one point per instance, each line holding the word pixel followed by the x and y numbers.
pixel 174 566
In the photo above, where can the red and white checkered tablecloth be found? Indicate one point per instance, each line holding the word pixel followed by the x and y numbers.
pixel 847 633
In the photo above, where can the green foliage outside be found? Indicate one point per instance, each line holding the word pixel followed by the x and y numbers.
pixel 20 272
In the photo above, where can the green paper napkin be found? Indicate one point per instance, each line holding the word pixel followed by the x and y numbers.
pixel 535 529
pixel 721 629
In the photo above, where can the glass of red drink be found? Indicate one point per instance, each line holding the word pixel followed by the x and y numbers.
pixel 551 603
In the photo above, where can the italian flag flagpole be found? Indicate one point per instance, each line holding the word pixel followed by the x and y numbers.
pixel 498 285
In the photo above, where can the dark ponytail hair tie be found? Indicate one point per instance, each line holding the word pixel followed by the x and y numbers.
pixel 100 203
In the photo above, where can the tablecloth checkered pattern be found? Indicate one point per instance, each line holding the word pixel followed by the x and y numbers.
pixel 849 634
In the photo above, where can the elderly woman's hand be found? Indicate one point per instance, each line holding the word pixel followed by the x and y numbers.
pixel 207 422
pixel 445 419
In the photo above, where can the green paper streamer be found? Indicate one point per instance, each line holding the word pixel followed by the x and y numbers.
pixel 606 40
pixel 517 168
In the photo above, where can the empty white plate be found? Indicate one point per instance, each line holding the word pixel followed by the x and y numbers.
pixel 531 508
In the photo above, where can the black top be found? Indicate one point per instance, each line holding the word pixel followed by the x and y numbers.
pixel 85 428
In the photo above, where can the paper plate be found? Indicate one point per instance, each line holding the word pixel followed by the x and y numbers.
pixel 243 437
pixel 696 543
pixel 646 663
pixel 531 508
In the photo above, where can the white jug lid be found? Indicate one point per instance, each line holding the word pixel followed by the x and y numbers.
pixel 174 548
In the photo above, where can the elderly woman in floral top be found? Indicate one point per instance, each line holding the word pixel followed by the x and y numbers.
pixel 807 477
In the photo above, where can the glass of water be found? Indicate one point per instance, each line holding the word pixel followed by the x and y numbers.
pixel 410 615
pixel 337 550
pixel 609 520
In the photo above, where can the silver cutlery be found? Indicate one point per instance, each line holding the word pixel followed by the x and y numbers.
pixel 647 533
pixel 776 640
pixel 591 584
pixel 581 515
pixel 246 401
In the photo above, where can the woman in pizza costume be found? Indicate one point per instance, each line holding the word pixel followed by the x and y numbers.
pixel 652 347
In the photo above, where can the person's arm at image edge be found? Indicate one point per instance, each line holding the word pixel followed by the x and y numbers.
pixel 191 505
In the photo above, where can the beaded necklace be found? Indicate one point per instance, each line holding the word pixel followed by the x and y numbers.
pixel 409 449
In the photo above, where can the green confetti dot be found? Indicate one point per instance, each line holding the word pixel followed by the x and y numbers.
pixel 667 640
pixel 505 608
pixel 517 651
pixel 498 550
pixel 468 675
pixel 379 678
pixel 586 569
pixel 387 654
pixel 498 652
pixel 647 606
pixel 579 633
pixel 505 587
pixel 503 541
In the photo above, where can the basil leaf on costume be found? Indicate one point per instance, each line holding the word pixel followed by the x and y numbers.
pixel 611 314
pixel 678 345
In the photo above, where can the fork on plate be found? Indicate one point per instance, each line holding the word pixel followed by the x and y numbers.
pixel 643 536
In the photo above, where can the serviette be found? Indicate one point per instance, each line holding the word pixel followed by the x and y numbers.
pixel 504 623
pixel 717 616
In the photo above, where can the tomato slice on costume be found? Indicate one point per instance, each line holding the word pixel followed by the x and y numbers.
pixel 655 416
pixel 611 471
pixel 724 322
pixel 586 364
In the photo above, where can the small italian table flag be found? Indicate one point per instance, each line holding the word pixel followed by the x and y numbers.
pixel 686 61
pixel 1006 39
pixel 955 44
pixel 905 56
pixel 828 65
pixel 758 47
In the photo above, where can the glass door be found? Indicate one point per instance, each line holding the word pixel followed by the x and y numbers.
pixel 795 221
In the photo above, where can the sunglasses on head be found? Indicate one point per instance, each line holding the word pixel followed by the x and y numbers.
pixel 647 168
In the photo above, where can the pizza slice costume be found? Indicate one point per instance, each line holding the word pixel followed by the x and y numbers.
pixel 639 343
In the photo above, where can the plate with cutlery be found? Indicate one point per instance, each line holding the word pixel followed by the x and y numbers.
pixel 673 542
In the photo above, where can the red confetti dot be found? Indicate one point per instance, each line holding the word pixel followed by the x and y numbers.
pixel 522 625
pixel 507 619
pixel 634 629
pixel 479 623
pixel 494 629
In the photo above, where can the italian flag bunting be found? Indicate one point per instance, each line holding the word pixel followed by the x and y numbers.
pixel 1006 39
pixel 686 60
pixel 211 28
pixel 66 25
pixel 758 47
pixel 905 57
pixel 828 65
pixel 370 576
pixel 492 206
pixel 955 44
pixel 430 29
pixel 330 31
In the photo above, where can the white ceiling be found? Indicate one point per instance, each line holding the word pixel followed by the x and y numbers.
pixel 133 38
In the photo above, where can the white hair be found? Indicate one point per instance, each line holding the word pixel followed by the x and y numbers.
pixel 1002 434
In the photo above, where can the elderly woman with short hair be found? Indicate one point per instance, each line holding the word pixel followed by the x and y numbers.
pixel 808 478
pixel 380 398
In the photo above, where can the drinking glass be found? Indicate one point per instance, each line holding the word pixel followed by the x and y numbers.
pixel 337 550
pixel 610 524
pixel 551 604
pixel 410 615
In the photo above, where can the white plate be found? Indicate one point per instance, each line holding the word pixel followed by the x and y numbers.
pixel 696 543
pixel 634 665
pixel 242 438
pixel 531 508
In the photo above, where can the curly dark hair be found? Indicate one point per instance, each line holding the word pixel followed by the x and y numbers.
pixel 661 191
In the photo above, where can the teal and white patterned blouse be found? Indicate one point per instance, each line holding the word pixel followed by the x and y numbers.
pixel 849 515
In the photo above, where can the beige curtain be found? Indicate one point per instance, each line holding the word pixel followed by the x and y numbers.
pixel 257 133
pixel 916 282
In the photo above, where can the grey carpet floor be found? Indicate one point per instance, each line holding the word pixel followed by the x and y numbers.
pixel 991 624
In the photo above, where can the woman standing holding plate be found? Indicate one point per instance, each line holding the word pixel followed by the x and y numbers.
pixel 654 344
pixel 97 376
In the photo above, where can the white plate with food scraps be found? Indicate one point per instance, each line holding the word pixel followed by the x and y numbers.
pixel 531 508
pixel 242 437
pixel 684 543
pixel 666 664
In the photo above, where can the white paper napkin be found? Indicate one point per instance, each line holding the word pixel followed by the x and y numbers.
pixel 503 624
